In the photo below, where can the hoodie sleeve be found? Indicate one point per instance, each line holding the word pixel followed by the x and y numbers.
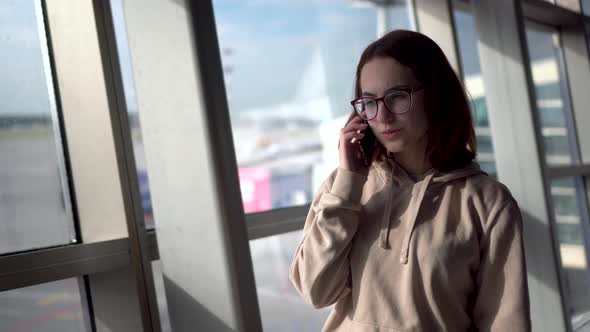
pixel 320 270
pixel 502 302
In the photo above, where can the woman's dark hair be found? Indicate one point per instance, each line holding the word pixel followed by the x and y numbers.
pixel 451 136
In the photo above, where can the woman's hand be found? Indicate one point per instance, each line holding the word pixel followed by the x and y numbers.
pixel 351 157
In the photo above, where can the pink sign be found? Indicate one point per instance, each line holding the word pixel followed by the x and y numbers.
pixel 255 187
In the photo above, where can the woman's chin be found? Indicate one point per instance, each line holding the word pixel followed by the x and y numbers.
pixel 394 147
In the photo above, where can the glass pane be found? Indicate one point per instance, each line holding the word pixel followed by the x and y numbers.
pixel 586 7
pixel 306 55
pixel 551 95
pixel 471 68
pixel 34 198
pixel 289 70
pixel 132 109
pixel 570 233
pixel 51 307
pixel 281 307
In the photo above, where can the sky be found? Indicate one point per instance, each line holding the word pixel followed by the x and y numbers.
pixel 274 43
pixel 273 46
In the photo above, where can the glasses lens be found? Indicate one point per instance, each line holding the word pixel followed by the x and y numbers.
pixel 366 108
pixel 398 101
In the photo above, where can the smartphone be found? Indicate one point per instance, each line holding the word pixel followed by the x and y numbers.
pixel 367 145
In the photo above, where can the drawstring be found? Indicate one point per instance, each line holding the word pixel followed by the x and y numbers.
pixel 473 169
pixel 385 222
pixel 415 211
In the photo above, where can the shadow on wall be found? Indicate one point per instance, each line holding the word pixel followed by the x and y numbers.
pixel 186 314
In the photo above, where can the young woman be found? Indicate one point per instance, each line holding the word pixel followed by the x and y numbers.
pixel 420 239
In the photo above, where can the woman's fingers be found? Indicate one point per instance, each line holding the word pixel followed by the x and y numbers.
pixel 353 127
pixel 350 155
pixel 353 134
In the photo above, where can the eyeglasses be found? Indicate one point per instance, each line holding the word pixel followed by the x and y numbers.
pixel 397 101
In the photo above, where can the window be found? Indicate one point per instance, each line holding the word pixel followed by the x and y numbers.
pixel 569 200
pixel 51 307
pixel 288 92
pixel 470 66
pixel 289 74
pixel 552 95
pixel 281 307
pixel 35 208
pixel 289 80
pixel 572 229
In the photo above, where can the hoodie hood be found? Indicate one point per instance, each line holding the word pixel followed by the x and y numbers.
pixel 395 177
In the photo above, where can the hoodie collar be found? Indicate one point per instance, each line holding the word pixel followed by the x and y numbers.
pixel 395 177
pixel 388 170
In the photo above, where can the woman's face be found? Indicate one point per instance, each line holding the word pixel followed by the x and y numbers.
pixel 405 132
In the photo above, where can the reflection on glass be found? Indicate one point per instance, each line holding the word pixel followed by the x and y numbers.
pixel 544 51
pixel 34 199
pixel 281 308
pixel 50 307
pixel 471 68
pixel 570 232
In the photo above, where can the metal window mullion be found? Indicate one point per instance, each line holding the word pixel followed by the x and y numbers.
pixel 555 172
pixel 46 265
pixel 259 225
pixel 276 222
pixel 126 166
pixel 549 13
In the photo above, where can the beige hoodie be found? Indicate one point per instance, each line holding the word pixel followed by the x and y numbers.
pixel 441 254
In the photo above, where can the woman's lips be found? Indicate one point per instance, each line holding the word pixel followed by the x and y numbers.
pixel 390 133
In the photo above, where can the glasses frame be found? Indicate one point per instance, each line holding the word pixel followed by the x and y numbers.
pixel 409 90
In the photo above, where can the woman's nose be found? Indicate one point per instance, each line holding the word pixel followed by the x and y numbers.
pixel 383 114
